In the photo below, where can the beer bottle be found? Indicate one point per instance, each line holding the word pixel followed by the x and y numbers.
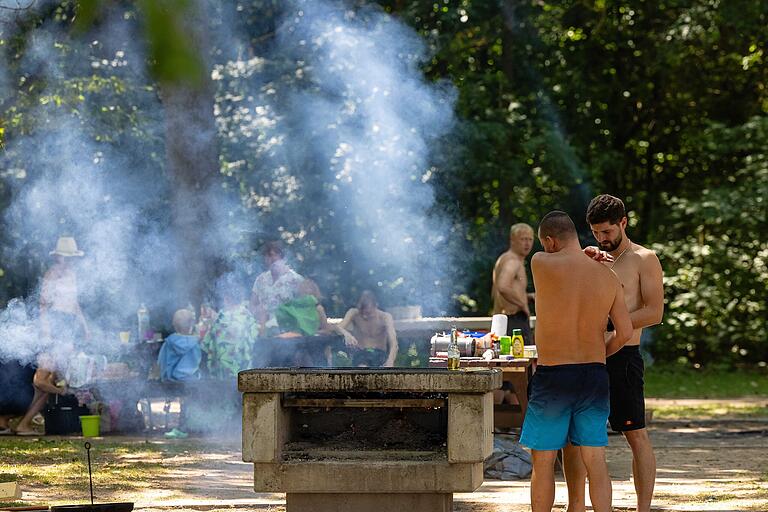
pixel 453 350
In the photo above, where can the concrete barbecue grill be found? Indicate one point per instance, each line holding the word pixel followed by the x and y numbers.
pixel 358 439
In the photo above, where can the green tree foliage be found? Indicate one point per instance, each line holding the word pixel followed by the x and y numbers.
pixel 716 257
pixel 663 103
pixel 88 83
pixel 660 103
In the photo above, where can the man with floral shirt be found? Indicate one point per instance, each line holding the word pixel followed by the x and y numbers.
pixel 273 287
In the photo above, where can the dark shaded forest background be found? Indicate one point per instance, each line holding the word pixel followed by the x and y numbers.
pixel 663 103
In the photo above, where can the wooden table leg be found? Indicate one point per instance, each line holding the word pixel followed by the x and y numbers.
pixel 520 384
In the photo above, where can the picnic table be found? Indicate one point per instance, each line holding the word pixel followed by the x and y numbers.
pixel 517 372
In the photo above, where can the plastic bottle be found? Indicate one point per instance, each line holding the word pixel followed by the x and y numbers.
pixel 454 357
pixel 518 344
pixel 191 308
pixel 142 316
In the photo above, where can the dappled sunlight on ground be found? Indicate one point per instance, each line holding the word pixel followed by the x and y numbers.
pixel 711 466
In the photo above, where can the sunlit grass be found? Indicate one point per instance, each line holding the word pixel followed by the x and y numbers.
pixel 667 381
pixel 711 411
pixel 116 466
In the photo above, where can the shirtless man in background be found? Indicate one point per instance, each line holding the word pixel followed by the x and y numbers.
pixel 575 296
pixel 641 275
pixel 371 331
pixel 510 282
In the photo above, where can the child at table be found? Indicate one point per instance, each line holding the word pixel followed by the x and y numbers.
pixel 180 355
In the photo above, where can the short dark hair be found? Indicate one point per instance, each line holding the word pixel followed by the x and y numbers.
pixel 367 298
pixel 273 246
pixel 557 224
pixel 605 208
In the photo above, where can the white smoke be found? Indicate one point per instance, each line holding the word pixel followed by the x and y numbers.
pixel 351 126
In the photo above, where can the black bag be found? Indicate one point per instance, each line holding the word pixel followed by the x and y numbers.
pixel 62 415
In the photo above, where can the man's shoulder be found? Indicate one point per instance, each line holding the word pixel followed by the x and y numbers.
pixel 644 252
pixel 644 256
pixel 501 258
pixel 508 258
pixel 546 258
pixel 294 276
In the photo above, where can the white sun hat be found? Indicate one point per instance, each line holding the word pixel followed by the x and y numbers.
pixel 66 246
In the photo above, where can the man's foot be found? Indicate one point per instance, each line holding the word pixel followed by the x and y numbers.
pixel 27 433
pixel 6 431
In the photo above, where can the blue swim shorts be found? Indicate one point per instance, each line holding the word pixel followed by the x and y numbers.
pixel 568 403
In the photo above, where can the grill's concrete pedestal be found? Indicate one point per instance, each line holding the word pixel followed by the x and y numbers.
pixel 369 502
pixel 377 478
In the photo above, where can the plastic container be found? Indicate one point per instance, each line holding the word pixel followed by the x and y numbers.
pixel 518 344
pixel 499 325
pixel 505 342
pixel 90 425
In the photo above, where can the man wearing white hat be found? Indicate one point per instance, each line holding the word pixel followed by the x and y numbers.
pixel 60 312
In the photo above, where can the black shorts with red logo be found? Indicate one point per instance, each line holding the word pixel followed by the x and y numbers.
pixel 625 374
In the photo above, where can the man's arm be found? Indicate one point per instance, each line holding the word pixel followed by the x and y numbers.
pixel 652 292
pixel 391 340
pixel 43 381
pixel 505 284
pixel 622 322
pixel 341 328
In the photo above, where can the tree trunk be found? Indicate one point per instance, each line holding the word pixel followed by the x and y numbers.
pixel 192 163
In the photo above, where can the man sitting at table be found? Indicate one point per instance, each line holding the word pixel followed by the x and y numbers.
pixel 273 287
pixel 370 332
pixel 21 395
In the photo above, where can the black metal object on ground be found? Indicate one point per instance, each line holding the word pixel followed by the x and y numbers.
pixel 97 507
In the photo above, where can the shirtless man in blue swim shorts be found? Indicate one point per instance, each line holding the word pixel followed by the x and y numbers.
pixel 569 399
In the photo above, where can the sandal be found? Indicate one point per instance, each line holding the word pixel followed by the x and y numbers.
pixel 27 433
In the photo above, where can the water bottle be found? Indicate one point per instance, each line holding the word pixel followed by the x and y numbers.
pixel 191 309
pixel 142 315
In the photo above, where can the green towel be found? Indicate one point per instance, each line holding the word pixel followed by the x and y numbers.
pixel 299 315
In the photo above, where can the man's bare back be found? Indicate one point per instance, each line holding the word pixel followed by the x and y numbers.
pixel 574 297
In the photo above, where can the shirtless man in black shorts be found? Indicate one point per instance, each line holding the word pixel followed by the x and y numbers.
pixel 370 332
pixel 640 273
pixel 510 282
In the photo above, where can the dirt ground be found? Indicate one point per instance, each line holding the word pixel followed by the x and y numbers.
pixel 713 465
